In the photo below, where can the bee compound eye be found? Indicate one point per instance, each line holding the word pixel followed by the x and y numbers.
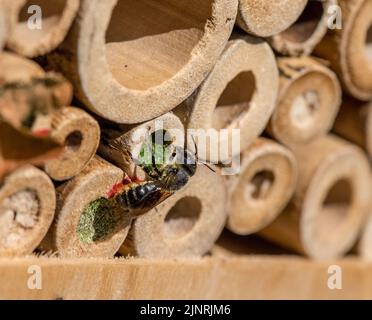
pixel 174 170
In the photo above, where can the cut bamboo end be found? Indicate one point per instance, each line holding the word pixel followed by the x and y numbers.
pixel 80 134
pixel 309 100
pixel 185 225
pixel 310 28
pixel 354 123
pixel 145 57
pixel 330 203
pixel 266 182
pixel 350 49
pixel 38 27
pixel 234 96
pixel 117 144
pixel 27 205
pixel 17 69
pixel 85 226
pixel 266 18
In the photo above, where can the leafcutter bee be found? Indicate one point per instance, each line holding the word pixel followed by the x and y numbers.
pixel 164 177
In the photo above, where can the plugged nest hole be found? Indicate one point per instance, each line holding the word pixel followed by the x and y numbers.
pixel 260 186
pixel 19 214
pixel 73 141
pixel 99 220
pixel 335 208
pixel 182 218
pixel 304 107
pixel 369 43
pixel 51 12
pixel 307 23
pixel 235 100
pixel 150 41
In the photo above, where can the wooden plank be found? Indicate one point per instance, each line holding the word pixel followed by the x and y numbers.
pixel 250 277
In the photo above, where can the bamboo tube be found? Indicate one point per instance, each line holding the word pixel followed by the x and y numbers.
pixel 4 24
pixel 365 243
pixel 230 244
pixel 266 18
pixel 33 38
pixel 14 68
pixel 308 102
pixel 80 134
pixel 354 123
pixel 303 36
pixel 28 101
pixel 28 95
pixel 18 149
pixel 330 202
pixel 154 55
pixel 27 204
pixel 131 138
pixel 239 93
pixel 263 188
pixel 349 48
pixel 85 226
pixel 185 225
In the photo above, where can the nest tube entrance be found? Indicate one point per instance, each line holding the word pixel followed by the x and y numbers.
pixel 27 205
pixel 143 51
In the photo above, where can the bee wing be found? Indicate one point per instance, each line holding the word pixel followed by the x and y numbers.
pixel 119 147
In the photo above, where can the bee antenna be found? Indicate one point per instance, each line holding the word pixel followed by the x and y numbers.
pixel 209 167
pixel 196 149
pixel 197 157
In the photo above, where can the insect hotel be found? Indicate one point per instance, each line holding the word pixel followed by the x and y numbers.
pixel 185 149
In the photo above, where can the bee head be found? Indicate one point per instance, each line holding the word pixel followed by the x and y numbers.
pixel 177 175
pixel 186 160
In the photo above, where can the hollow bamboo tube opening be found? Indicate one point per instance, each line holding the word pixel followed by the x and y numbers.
pixel 27 204
pixel 302 37
pixel 234 96
pixel 39 26
pixel 182 226
pixel 80 135
pixel 349 48
pixel 267 18
pixel 354 123
pixel 122 141
pixel 144 50
pixel 87 224
pixel 263 188
pixel 308 102
pixel 330 202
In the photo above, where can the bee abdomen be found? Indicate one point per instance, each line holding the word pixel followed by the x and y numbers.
pixel 137 196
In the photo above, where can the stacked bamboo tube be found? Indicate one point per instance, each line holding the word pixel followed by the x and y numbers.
pixel 303 36
pixel 294 87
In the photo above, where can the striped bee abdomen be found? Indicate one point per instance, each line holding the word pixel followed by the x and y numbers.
pixel 140 196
